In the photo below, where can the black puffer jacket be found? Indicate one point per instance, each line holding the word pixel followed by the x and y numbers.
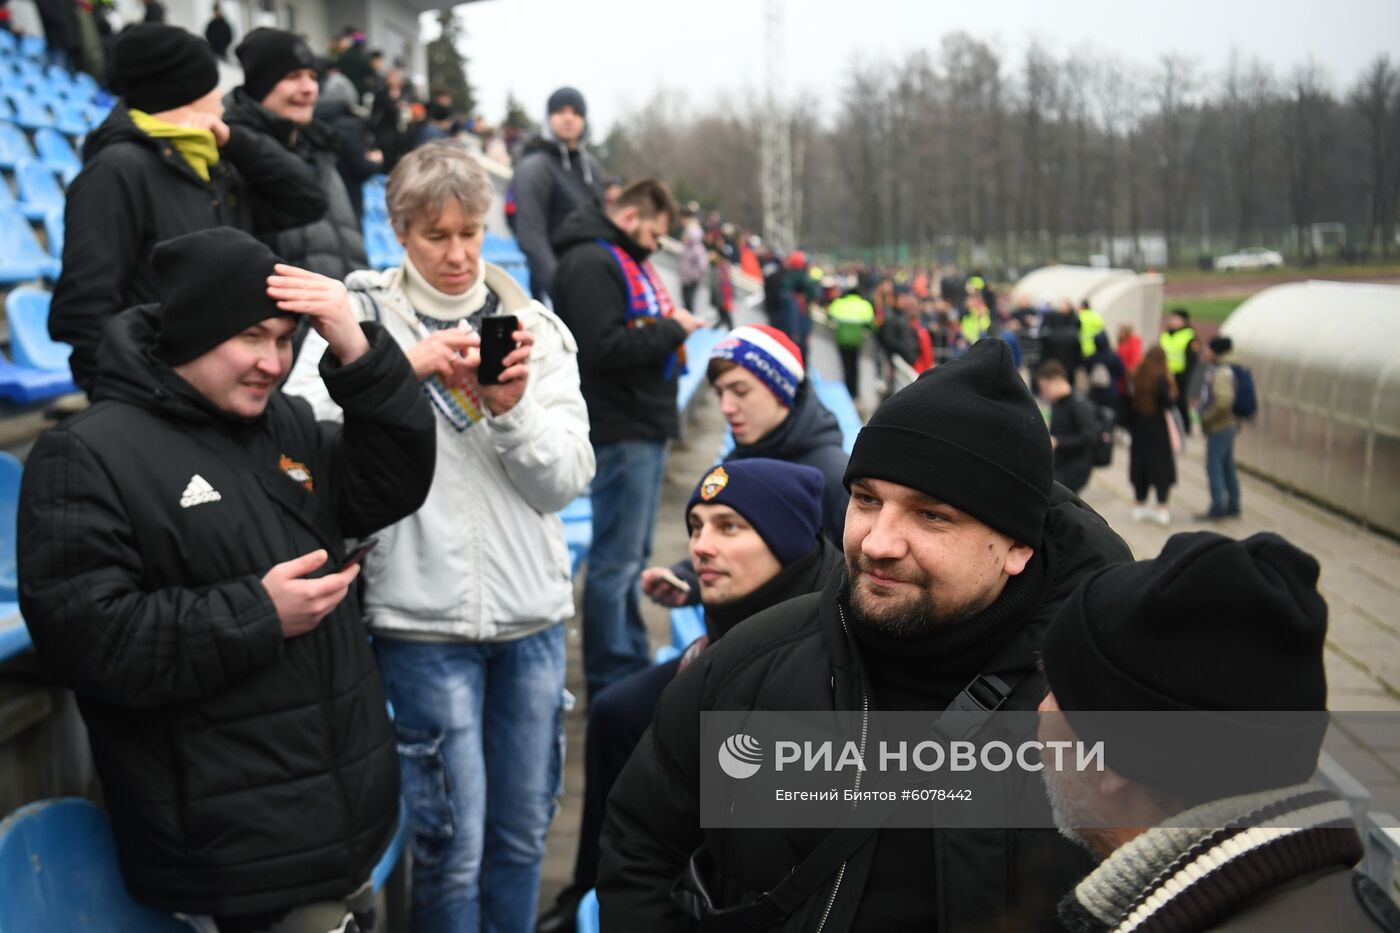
pixel 622 369
pixel 799 656
pixel 243 772
pixel 135 191
pixel 811 436
pixel 333 245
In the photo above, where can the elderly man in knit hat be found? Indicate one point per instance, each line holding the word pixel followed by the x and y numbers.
pixel 959 547
pixel 755 540
pixel 183 569
pixel 556 174
pixel 1204 842
pixel 162 164
pixel 278 101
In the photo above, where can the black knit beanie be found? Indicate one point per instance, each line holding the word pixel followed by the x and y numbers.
pixel 1210 625
pixel 268 56
pixel 568 97
pixel 156 67
pixel 213 286
pixel 967 433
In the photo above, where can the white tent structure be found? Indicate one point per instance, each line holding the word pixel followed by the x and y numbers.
pixel 1120 295
pixel 1326 364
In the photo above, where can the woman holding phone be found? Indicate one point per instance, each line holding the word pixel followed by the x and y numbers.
pixel 467 598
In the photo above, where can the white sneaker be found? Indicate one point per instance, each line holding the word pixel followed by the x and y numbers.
pixel 1139 513
pixel 1163 517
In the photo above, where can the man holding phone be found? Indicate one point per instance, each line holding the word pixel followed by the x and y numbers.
pixel 180 568
pixel 467 597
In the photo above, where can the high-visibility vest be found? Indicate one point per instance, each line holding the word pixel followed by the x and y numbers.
pixel 853 316
pixel 1090 326
pixel 1175 346
pixel 976 324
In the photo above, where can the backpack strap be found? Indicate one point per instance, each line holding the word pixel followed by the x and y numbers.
pixel 982 697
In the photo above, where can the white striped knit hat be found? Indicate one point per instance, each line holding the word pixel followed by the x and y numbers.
pixel 769 354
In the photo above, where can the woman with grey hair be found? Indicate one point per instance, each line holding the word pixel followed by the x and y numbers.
pixel 466 598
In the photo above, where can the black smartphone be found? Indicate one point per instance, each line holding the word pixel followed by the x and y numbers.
pixel 360 551
pixel 497 340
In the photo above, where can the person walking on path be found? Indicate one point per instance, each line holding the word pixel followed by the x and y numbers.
pixel 1151 426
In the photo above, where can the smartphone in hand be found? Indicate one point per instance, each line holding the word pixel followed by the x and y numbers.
pixel 364 547
pixel 497 340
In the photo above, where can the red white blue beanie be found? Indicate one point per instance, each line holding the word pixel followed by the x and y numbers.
pixel 769 354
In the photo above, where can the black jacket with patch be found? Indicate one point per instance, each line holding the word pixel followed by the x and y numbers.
pixel 242 772
pixel 135 191
pixel 800 656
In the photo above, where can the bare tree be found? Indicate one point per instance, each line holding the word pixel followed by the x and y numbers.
pixel 1374 99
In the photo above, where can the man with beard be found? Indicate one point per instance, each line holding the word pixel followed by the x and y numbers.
pixel 1242 845
pixel 959 548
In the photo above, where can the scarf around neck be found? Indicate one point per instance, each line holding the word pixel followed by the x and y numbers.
pixel 648 301
pixel 196 145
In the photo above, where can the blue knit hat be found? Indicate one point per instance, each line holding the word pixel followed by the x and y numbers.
pixel 782 501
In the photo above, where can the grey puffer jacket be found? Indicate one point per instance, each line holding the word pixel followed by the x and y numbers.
pixel 333 245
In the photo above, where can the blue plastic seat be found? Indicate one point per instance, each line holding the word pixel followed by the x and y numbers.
pixel 7 112
pixel 71 119
pixel 31 113
pixel 10 472
pixel 586 919
pixel 383 248
pixel 687 624
pixel 32 47
pixel 23 386
pixel 22 259
pixel 14 634
pixel 57 153
pixel 14 146
pixel 503 251
pixel 39 192
pixel 27 309
pixel 58 869
pixel 9 45
pixel 53 230
pixel 697 353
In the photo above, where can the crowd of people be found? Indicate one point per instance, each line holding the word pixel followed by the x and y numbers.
pixel 285 451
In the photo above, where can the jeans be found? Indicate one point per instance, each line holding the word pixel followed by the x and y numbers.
pixel 626 493
pixel 1220 471
pixel 481 746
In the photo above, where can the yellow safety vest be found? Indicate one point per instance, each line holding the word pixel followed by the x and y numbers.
pixel 1090 326
pixel 1175 346
pixel 975 326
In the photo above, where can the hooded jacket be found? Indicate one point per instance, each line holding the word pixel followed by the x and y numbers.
pixel 800 655
pixel 485 558
pixel 622 369
pixel 135 191
pixel 332 245
pixel 243 772
pixel 336 108
pixel 550 183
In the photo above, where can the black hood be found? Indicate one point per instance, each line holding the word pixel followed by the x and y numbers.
pixel 588 224
pixel 808 426
pixel 129 371
pixel 116 128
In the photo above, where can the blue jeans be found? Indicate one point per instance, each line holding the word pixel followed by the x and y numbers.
pixel 481 747
pixel 626 492
pixel 1220 472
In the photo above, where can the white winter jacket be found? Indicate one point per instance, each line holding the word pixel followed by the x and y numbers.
pixel 484 559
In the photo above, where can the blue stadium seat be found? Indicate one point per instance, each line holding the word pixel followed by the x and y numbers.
pixel 31 113
pixel 39 192
pixel 587 916
pixel 23 386
pixel 96 112
pixel 14 634
pixel 32 47
pixel 837 399
pixel 697 353
pixel 7 113
pixel 9 45
pixel 502 251
pixel 53 230
pixel 27 309
pixel 379 875
pixel 85 82
pixel 56 153
pixel 22 259
pixel 14 146
pixel 71 119
pixel 58 871
pixel 687 624
pixel 10 472
pixel 381 245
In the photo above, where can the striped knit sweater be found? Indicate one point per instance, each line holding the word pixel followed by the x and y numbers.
pixel 1181 876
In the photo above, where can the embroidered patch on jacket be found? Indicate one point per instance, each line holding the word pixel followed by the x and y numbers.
pixel 296 471
pixel 714 484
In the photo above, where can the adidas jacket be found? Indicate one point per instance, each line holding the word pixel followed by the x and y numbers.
pixel 242 772
pixel 485 558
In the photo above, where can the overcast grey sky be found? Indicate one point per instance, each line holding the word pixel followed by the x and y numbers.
pixel 711 48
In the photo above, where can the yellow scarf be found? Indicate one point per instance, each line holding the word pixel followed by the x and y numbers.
pixel 197 146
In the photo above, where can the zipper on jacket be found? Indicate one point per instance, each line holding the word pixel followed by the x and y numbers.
pixel 864 731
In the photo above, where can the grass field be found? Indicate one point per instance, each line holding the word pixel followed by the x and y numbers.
pixel 1290 272
pixel 1205 309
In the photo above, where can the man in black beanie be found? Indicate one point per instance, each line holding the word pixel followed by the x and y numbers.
pixel 278 101
pixel 959 547
pixel 555 175
pixel 183 569
pixel 1202 841
pixel 162 164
